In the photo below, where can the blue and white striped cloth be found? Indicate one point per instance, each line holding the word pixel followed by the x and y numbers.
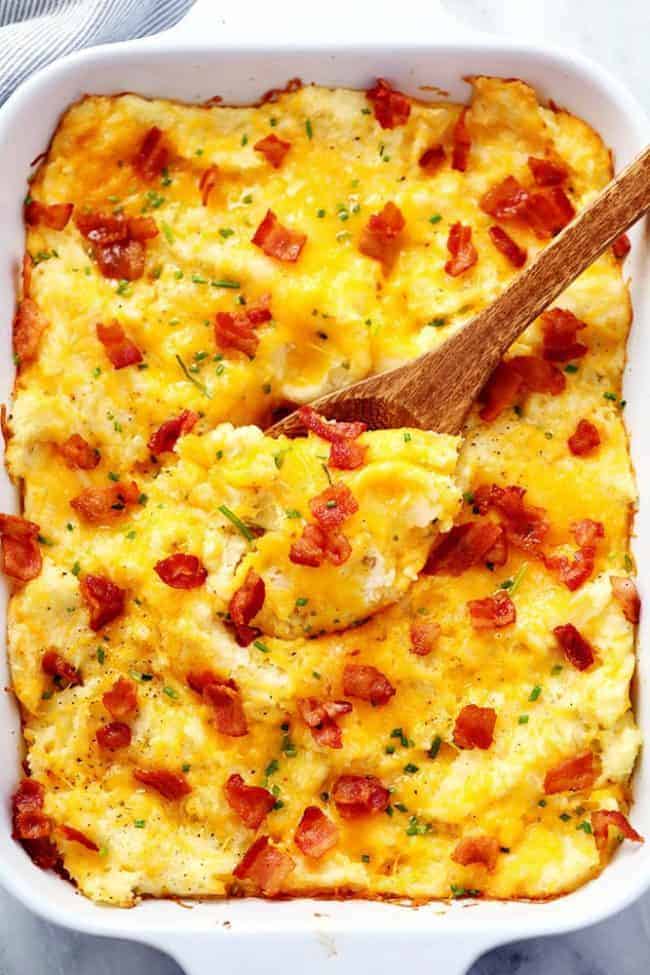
pixel 35 32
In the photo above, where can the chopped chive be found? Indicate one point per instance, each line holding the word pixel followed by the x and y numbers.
pixel 308 129
pixel 435 747
pixel 585 826
pixel 170 692
pixel 437 322
pixel 519 575
pixel 320 213
pixel 192 379
pixel 534 694
pixel 523 719
pixel 168 232
pixel 226 232
pixel 76 569
pixel 557 669
pixel 140 823
pixel 411 769
pixel 237 522
pixel 272 767
pixel 225 283
pixel 261 646
pixel 407 437
pixel 436 218
pixel 101 655
pixel 571 368
pixel 301 601
pixel 185 767
pixel 610 396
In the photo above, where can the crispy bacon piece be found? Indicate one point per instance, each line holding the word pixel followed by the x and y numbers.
pixel 181 571
pixel 152 156
pixel 549 210
pixel 121 261
pixel 344 453
pixel 52 215
pixel 602 819
pixel 251 803
pixel 76 836
pixel 278 241
pixel 391 107
pixel 381 238
pixel 547 172
pixel 113 736
pixel 119 348
pixel 274 94
pixel 104 505
pixel 359 795
pixel 171 785
pixel 574 572
pixel 502 390
pixel 333 506
pixel 104 599
pixel 586 532
pixel 29 323
pixel 584 440
pixel 33 826
pixel 498 554
pixel 424 637
pixel 462 143
pixel 236 330
pixel 506 200
pixel 525 525
pixel 559 328
pixel 229 715
pixel 198 680
pixel 59 669
pixel 30 824
pixel 122 699
pixel 474 727
pixel 117 242
pixel 463 253
pixel 577 650
pixel 21 554
pixel 367 683
pixel 626 593
pixel 78 454
pixel 245 603
pixel 165 437
pixel 462 547
pixel 316 545
pixel 315 833
pixel 621 247
pixel 572 775
pixel 273 149
pixel 508 247
pixel 432 159
pixel 265 865
pixel 477 849
pixel 538 376
pixel 321 717
pixel 208 181
pixel 493 612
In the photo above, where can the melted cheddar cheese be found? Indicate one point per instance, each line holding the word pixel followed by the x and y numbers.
pixel 337 316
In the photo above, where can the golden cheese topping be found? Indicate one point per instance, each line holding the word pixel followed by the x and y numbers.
pixel 208 709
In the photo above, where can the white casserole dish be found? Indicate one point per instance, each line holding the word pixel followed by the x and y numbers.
pixel 239 57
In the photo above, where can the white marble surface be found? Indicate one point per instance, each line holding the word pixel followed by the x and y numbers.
pixel 615 34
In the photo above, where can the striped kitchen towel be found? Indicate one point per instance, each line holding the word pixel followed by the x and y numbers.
pixel 35 32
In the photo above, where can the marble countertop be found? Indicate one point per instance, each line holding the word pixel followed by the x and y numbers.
pixel 615 34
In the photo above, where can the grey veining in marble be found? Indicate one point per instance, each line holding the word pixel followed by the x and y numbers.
pixel 616 34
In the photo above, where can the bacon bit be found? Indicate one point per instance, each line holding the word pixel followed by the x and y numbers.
pixel 432 159
pixel 181 571
pixel 28 797
pixel 391 107
pixel 506 200
pixel 333 506
pixel 117 242
pixel 208 181
pixel 498 554
pixel 502 390
pixel 251 803
pixel 103 598
pixel 273 94
pixel 316 545
pixel 245 603
pixel 602 819
pixel 171 785
pixel 367 683
pixel 477 849
pixel 31 826
pixel 572 775
pixel 198 680
pixel 59 669
pixel 462 547
pixel 548 211
pixel 547 172
pixel 124 262
pixel 165 437
pixel 76 836
pixel 587 532
pixel 278 241
pixel 152 156
pixel 142 228
pixel 265 865
pixel 462 143
pixel 621 247
pixel 119 348
pixel 21 554
pixel 508 247
pixel 381 238
pixel 626 593
pixel 53 215
pixel 315 833
pixel 359 795
pixel 559 328
pixel 573 573
pixel 122 699
pixel 273 149
pixel 321 718
pixel 78 454
pixel 104 505
pixel 584 440
pixel 424 637
pixel 577 650
pixel 463 253
pixel 114 736
pixel 526 526
pixel 344 453
pixel 28 327
pixel 236 330
pixel 538 375
pixel 474 727
pixel 229 716
pixel 492 612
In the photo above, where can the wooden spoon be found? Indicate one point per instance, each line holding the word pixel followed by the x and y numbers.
pixel 436 390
